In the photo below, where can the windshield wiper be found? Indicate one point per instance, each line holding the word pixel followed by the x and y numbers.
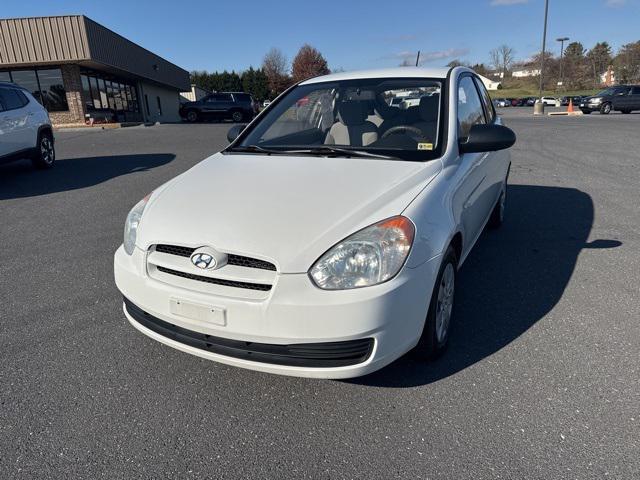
pixel 320 150
pixel 254 149
pixel 329 149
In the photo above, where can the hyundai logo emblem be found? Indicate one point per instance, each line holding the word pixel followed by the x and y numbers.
pixel 203 260
pixel 208 258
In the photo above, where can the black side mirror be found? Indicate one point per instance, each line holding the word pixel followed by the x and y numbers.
pixel 234 131
pixel 488 138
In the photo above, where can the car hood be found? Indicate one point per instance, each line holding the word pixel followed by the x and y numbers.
pixel 285 209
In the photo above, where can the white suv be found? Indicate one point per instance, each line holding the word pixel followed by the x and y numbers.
pixel 25 128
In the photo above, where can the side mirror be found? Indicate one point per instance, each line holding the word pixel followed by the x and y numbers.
pixel 234 131
pixel 488 138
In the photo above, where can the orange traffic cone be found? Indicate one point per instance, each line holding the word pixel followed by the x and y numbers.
pixel 570 109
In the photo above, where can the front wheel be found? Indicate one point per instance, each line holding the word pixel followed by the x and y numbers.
pixel 45 154
pixel 435 334
pixel 605 109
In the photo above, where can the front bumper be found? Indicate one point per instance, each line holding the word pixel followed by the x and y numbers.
pixel 592 107
pixel 295 314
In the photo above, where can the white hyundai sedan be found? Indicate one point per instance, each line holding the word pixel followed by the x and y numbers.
pixel 324 241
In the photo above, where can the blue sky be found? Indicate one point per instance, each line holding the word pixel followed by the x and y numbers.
pixel 351 34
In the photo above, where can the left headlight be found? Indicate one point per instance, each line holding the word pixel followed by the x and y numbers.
pixel 368 257
pixel 131 225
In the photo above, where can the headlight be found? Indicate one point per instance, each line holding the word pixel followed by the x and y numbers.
pixel 131 225
pixel 596 100
pixel 368 257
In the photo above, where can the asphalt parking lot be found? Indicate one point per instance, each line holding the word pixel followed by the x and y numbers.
pixel 541 380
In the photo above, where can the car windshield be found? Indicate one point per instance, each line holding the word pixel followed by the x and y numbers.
pixel 610 91
pixel 388 118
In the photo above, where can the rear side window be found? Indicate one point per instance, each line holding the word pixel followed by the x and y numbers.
pixel 486 101
pixel 12 98
pixel 470 110
pixel 635 91
pixel 222 97
pixel 242 97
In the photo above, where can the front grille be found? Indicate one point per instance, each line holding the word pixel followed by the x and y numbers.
pixel 320 355
pixel 216 281
pixel 237 260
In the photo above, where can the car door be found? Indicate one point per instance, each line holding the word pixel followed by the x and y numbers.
pixel 14 122
pixel 634 99
pixel 471 199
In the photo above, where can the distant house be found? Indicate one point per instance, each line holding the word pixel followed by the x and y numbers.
pixel 526 72
pixel 608 78
pixel 195 94
pixel 490 84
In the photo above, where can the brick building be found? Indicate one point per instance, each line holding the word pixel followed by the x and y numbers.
pixel 79 69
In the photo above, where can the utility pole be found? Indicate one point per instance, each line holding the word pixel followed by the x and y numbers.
pixel 539 107
pixel 562 40
pixel 418 58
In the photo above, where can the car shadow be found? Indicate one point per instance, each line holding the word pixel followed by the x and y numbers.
pixel 19 179
pixel 513 277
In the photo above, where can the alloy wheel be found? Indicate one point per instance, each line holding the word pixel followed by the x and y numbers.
pixel 444 306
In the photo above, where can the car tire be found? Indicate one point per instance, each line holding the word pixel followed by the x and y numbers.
pixel 237 116
pixel 605 109
pixel 435 333
pixel 497 215
pixel 44 156
pixel 192 116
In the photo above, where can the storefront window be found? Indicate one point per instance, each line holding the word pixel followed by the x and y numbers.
pixel 87 92
pixel 27 79
pixel 103 93
pixel 52 88
pixel 112 102
pixel 95 93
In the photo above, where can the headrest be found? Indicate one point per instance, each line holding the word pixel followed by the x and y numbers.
pixel 352 112
pixel 429 108
pixel 384 110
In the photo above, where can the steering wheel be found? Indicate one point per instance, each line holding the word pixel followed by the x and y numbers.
pixel 404 129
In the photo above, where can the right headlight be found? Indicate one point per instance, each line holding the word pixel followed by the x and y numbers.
pixel 596 100
pixel 131 225
pixel 368 257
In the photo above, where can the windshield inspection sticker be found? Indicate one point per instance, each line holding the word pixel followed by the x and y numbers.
pixel 425 146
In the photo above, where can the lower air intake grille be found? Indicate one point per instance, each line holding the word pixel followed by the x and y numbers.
pixel 216 281
pixel 320 355
pixel 238 260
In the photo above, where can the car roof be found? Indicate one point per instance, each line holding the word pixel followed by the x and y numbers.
pixel 399 72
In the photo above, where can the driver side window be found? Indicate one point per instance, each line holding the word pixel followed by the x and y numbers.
pixel 470 111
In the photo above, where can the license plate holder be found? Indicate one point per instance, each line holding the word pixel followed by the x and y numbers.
pixel 207 314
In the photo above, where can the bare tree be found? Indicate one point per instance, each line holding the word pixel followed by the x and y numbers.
pixel 502 58
pixel 308 63
pixel 276 68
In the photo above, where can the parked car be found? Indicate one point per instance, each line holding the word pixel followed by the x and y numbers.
pixel 502 102
pixel 621 98
pixel 564 101
pixel 531 101
pixel 603 101
pixel 551 101
pixel 25 128
pixel 266 103
pixel 515 102
pixel 237 106
pixel 323 246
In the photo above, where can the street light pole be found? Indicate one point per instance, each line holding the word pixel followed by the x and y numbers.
pixel 562 40
pixel 539 107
